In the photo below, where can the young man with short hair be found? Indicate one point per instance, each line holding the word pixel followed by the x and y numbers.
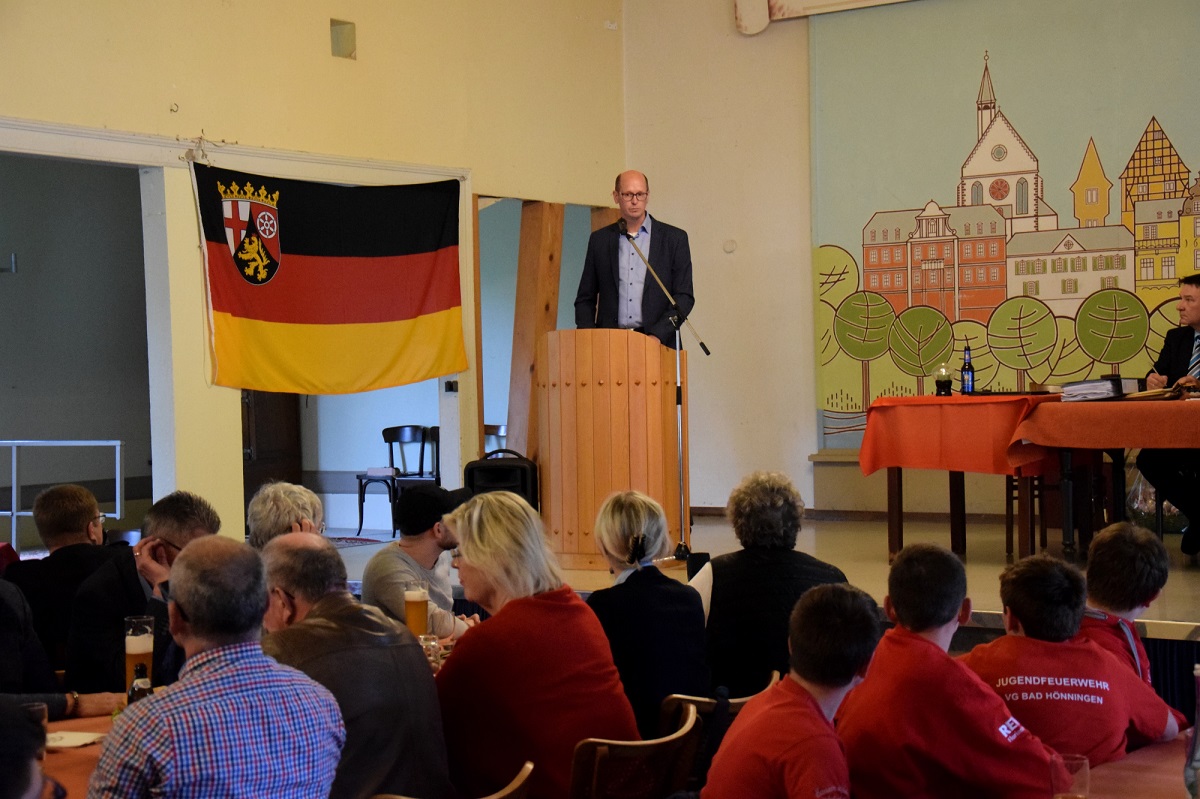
pixel 1066 690
pixel 782 745
pixel 921 723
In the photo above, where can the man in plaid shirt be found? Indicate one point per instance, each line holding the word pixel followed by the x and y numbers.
pixel 237 724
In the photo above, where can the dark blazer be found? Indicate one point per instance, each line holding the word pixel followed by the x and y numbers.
pixel 96 640
pixel 23 664
pixel 597 298
pixel 655 628
pixel 1176 354
pixel 49 585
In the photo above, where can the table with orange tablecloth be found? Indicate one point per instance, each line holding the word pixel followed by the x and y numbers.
pixel 955 434
pixel 1109 425
pixel 74 767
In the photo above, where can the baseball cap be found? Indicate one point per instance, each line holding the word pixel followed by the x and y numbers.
pixel 421 506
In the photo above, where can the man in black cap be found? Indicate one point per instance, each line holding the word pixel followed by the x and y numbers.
pixel 418 556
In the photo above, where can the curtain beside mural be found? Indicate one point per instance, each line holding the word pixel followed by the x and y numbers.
pixel 322 289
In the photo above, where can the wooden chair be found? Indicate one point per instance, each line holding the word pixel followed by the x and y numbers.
pixel 716 714
pixel 1038 500
pixel 517 789
pixel 396 438
pixel 603 769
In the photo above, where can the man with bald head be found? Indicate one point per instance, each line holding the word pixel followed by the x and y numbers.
pixel 237 723
pixel 616 290
pixel 372 664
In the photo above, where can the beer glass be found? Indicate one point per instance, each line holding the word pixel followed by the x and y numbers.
pixel 139 646
pixel 1069 776
pixel 39 712
pixel 416 606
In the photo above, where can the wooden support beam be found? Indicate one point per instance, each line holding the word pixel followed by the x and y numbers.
pixel 478 342
pixel 538 268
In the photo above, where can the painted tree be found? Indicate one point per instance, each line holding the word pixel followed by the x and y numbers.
pixel 920 339
pixel 1112 326
pixel 1021 334
pixel 836 274
pixel 861 327
pixel 1068 361
pixel 969 333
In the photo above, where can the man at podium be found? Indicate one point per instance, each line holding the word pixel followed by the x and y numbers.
pixel 616 289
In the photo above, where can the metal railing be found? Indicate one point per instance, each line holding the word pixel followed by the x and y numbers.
pixel 15 448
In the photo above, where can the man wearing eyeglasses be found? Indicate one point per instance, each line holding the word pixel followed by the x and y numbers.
pixel 616 290
pixel 134 587
pixel 71 526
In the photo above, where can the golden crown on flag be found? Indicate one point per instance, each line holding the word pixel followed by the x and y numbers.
pixel 247 192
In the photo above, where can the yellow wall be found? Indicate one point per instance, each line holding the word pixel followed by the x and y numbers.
pixel 527 95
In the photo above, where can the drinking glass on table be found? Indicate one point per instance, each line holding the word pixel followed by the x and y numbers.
pixel 40 714
pixel 416 606
pixel 139 646
pixel 1069 776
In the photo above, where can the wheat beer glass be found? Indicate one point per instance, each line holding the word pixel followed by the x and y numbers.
pixel 416 606
pixel 139 645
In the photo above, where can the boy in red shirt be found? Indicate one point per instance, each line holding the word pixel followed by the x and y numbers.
pixel 922 724
pixel 1127 569
pixel 782 744
pixel 1068 691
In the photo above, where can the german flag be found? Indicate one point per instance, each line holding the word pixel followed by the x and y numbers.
pixel 315 288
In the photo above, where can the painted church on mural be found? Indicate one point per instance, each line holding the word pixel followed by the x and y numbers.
pixel 1001 238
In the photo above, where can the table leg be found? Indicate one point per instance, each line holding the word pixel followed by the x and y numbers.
pixel 895 497
pixel 1067 497
pixel 1025 546
pixel 958 514
pixel 1118 483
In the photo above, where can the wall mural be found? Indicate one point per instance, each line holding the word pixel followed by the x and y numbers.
pixel 1040 295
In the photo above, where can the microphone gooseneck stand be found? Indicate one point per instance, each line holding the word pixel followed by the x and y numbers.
pixel 677 318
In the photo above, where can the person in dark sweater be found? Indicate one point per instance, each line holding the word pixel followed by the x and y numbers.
pixel 654 624
pixel 748 595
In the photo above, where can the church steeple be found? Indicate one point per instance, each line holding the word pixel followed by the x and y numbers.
pixel 985 106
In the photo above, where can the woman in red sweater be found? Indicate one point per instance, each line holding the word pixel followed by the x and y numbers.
pixel 537 677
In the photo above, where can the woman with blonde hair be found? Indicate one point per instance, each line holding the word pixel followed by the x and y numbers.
pixel 655 625
pixel 536 677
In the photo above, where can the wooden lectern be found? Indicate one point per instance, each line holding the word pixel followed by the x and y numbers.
pixel 606 423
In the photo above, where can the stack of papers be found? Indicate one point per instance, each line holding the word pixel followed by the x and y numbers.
pixel 1104 388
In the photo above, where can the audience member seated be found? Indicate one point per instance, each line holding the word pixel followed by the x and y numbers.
pixel 1066 690
pixel 137 586
pixel 373 666
pixel 277 508
pixel 25 674
pixel 71 526
pixel 655 625
pixel 923 724
pixel 418 556
pixel 21 738
pixel 749 595
pixel 535 678
pixel 1127 570
pixel 236 723
pixel 782 745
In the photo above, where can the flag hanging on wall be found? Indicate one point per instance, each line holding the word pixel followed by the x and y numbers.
pixel 315 288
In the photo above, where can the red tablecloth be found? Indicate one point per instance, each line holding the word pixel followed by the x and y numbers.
pixel 1108 424
pixel 955 434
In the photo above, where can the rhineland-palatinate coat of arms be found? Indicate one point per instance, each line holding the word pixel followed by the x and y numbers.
pixel 252 230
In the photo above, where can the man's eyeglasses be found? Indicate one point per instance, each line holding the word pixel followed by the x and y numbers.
pixel 630 196
pixel 100 517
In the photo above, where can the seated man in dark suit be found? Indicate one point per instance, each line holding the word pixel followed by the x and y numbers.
pixel 1175 473
pixel 371 664
pixel 134 586
pixel 616 290
pixel 71 526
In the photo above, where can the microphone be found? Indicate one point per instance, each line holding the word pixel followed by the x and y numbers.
pixel 623 228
